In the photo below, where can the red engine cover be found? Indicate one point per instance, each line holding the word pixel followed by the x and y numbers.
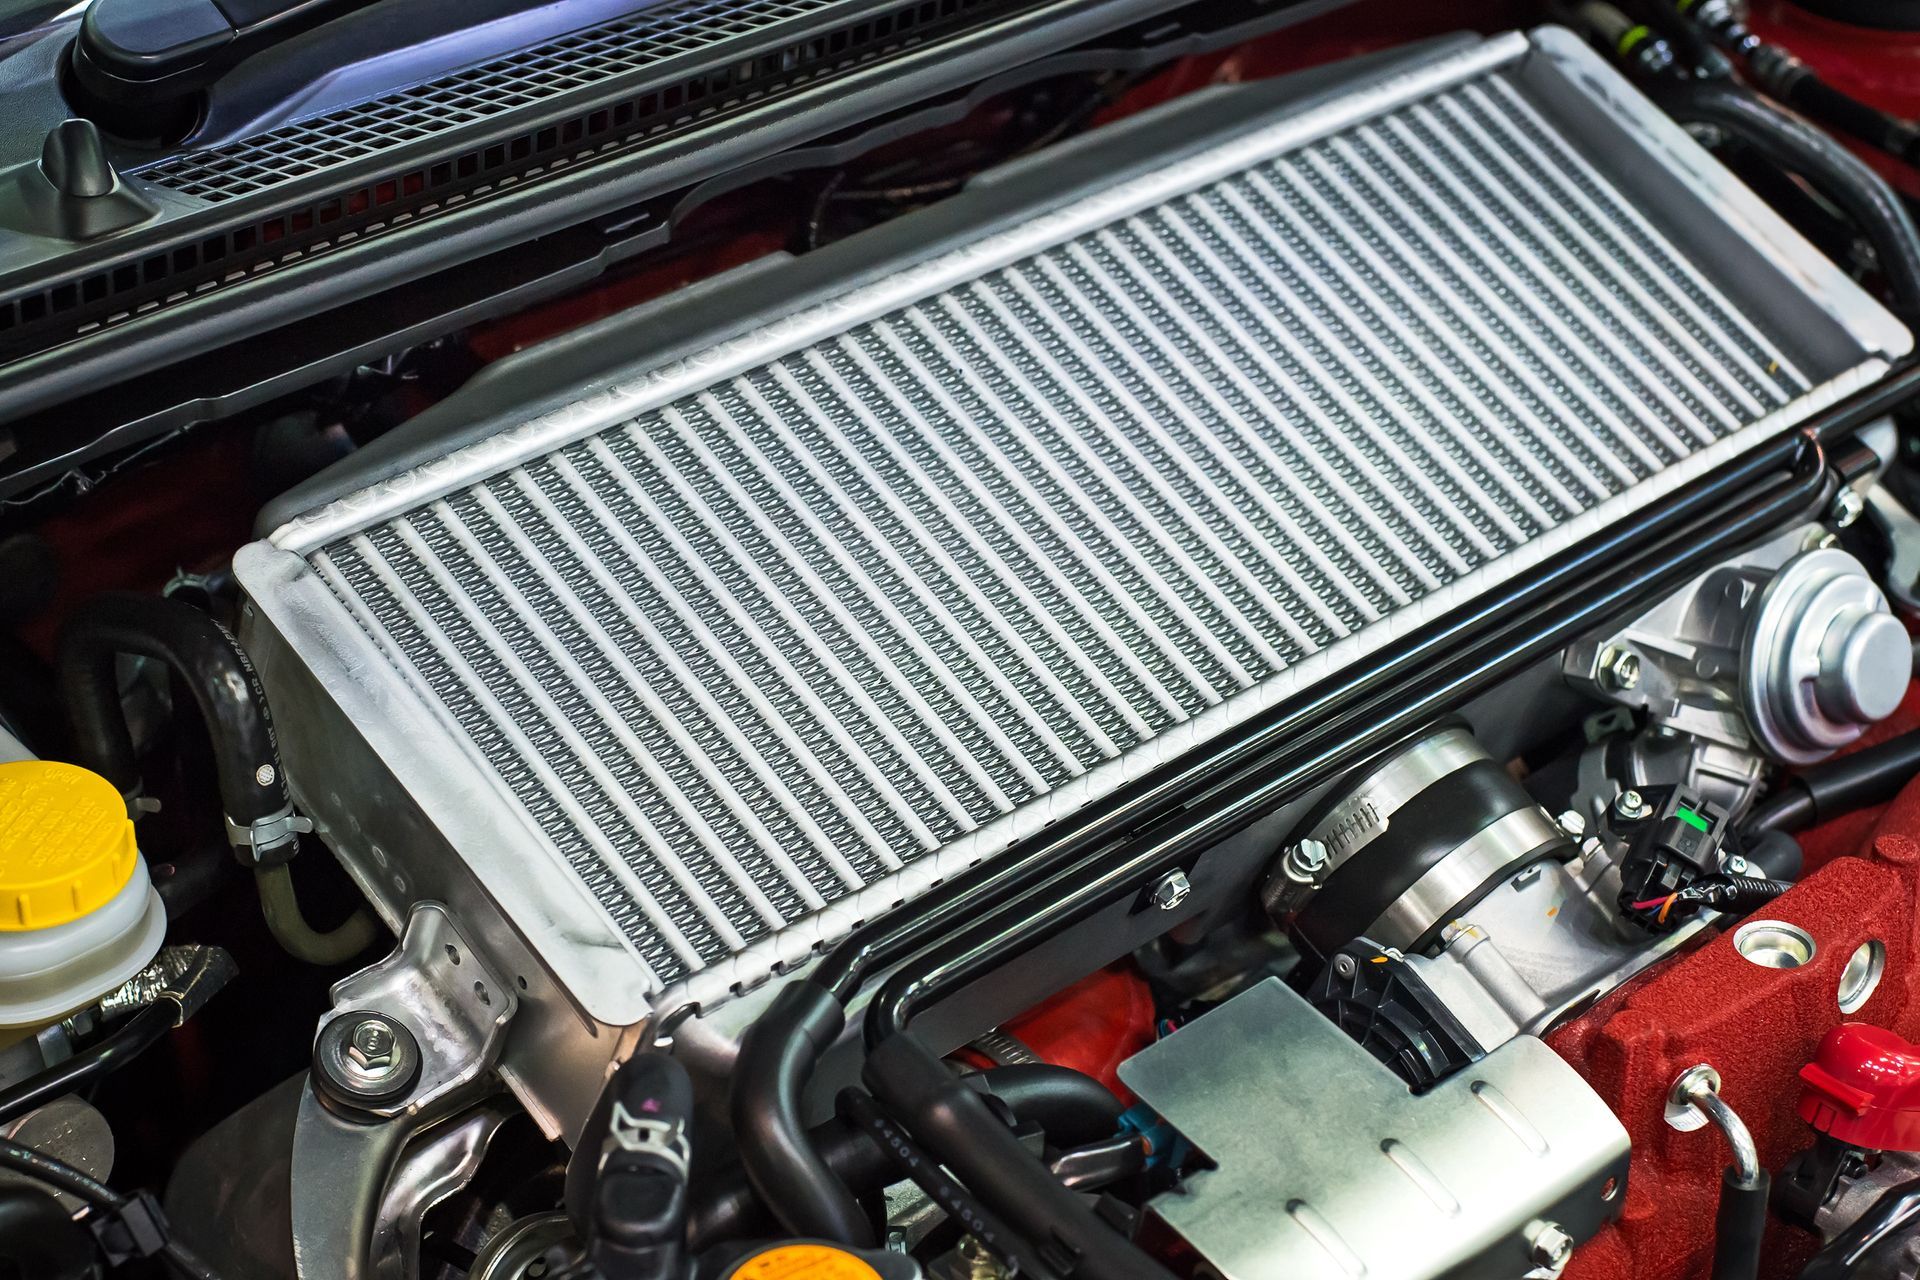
pixel 1757 1026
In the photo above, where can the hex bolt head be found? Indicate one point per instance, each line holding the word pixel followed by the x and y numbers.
pixel 364 1059
pixel 1632 806
pixel 1170 890
pixel 1620 670
pixel 1848 506
pixel 1549 1246
pixel 1572 823
pixel 371 1045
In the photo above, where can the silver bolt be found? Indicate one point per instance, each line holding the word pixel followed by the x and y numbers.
pixel 1572 823
pixel 265 775
pixel 1171 890
pixel 1736 865
pixel 370 1046
pixel 1549 1246
pixel 1620 669
pixel 1344 966
pixel 1848 506
pixel 1631 805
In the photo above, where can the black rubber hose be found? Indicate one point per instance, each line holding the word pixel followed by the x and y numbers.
pixel 1739 1226
pixel 777 1058
pixel 1799 86
pixel 1070 1107
pixel 904 1154
pixel 215 671
pixel 138 1034
pixel 1892 1216
pixel 961 1131
pixel 1867 777
pixel 1799 148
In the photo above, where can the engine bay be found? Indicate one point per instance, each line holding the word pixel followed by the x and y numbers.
pixel 1232 642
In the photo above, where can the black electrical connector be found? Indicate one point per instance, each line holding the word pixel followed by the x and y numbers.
pixel 626 1189
pixel 124 1228
pixel 1673 838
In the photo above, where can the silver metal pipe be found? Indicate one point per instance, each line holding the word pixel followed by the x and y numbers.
pixel 1746 1157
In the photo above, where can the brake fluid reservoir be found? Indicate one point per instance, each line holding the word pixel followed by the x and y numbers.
pixel 78 915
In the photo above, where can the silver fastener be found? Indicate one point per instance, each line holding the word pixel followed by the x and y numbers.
pixel 1848 506
pixel 1631 805
pixel 1344 966
pixel 1736 865
pixel 1305 860
pixel 365 1058
pixel 1170 890
pixel 1572 824
pixel 1620 669
pixel 371 1045
pixel 1549 1246
pixel 1681 1113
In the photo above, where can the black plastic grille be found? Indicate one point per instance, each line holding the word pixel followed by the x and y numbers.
pixel 260 241
pixel 480 93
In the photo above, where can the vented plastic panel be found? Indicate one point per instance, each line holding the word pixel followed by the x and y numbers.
pixel 582 58
pixel 768 644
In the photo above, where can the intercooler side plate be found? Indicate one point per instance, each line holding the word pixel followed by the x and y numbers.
pixel 763 642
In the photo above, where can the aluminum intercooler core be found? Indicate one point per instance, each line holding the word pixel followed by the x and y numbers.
pixel 747 646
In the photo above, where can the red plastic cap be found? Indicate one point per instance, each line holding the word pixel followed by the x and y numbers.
pixel 1863 1088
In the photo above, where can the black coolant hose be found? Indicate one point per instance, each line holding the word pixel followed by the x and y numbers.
pixel 1070 1107
pixel 960 1130
pixel 261 823
pixel 1841 176
pixel 1867 777
pixel 1799 86
pixel 209 661
pixel 777 1057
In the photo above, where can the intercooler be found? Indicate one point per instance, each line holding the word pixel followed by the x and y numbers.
pixel 953 528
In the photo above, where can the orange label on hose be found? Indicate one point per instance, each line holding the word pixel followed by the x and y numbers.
pixel 803 1262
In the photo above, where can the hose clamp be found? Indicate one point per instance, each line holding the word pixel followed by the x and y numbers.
pixel 268 841
pixel 664 1140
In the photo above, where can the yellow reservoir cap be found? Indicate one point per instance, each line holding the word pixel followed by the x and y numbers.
pixel 803 1262
pixel 66 844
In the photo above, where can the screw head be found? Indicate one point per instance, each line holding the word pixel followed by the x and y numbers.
pixel 1170 890
pixel 1344 966
pixel 1737 865
pixel 1306 859
pixel 1572 823
pixel 365 1059
pixel 1549 1246
pixel 1620 669
pixel 1848 506
pixel 1631 805
pixel 371 1045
